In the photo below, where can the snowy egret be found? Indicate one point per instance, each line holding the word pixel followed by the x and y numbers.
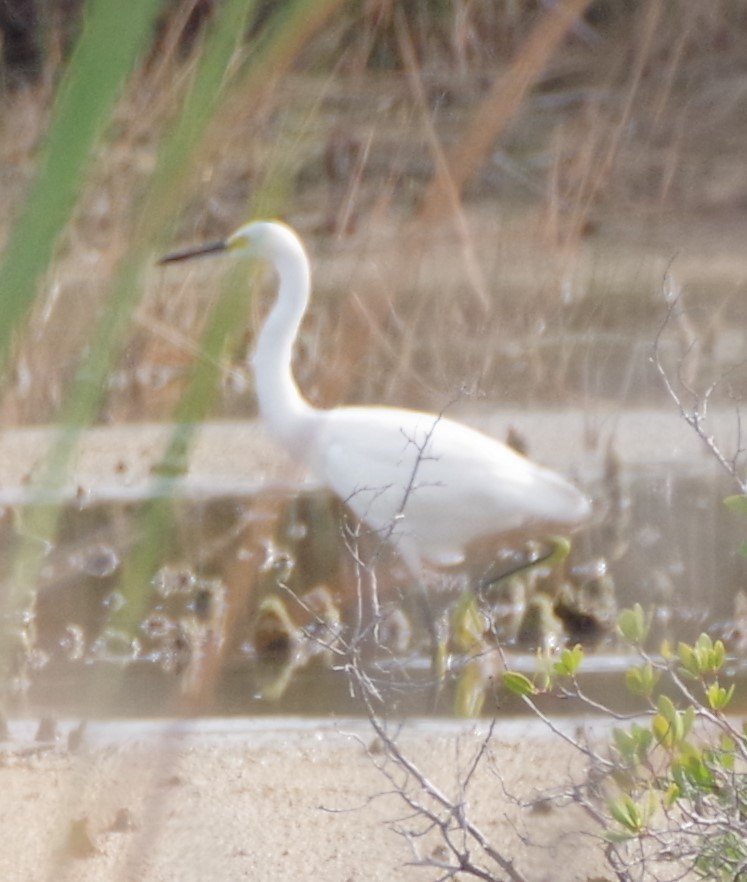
pixel 427 484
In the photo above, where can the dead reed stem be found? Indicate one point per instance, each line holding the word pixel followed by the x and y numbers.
pixel 497 109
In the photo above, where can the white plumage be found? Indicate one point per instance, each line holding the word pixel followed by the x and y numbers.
pixel 426 483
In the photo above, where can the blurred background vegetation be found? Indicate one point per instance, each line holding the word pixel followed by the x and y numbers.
pixel 488 190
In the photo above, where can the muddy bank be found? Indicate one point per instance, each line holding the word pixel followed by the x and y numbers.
pixel 276 799
pixel 121 462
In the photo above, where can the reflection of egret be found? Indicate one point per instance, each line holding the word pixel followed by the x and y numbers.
pixel 428 484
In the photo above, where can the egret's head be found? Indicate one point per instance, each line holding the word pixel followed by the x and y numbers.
pixel 267 239
pixel 253 239
pixel 270 240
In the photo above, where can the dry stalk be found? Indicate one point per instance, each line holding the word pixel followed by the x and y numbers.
pixel 695 413
pixel 432 808
pixel 498 108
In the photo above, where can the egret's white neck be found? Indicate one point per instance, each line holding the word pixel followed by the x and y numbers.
pixel 285 411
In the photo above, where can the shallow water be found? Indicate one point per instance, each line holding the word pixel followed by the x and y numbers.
pixel 254 606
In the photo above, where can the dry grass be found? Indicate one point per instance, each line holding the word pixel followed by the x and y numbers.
pixel 629 122
pixel 624 124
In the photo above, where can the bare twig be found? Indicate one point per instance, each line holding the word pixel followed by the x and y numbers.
pixel 696 413
pixel 498 108
pixel 434 808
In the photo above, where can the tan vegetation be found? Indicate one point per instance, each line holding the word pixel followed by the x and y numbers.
pixel 567 222
pixel 492 194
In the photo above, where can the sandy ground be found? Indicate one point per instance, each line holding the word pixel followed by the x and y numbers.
pixel 275 799
pixel 117 462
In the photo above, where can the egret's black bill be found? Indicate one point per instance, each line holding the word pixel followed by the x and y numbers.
pixel 187 253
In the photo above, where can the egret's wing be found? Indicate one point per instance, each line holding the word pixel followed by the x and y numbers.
pixel 452 484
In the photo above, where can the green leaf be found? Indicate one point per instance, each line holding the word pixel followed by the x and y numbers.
pixel 661 729
pixel 627 813
pixel 632 624
pixel 708 654
pixel 690 770
pixel 569 661
pixel 719 696
pixel 642 679
pixel 727 750
pixel 688 660
pixel 719 655
pixel 666 708
pixel 705 658
pixel 632 744
pixel 667 730
pixel 518 683
pixel 670 726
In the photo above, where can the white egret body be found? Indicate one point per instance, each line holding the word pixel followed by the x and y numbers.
pixel 426 483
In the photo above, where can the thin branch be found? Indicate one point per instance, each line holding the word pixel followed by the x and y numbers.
pixel 696 415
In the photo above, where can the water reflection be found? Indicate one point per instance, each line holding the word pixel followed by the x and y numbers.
pixel 257 602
